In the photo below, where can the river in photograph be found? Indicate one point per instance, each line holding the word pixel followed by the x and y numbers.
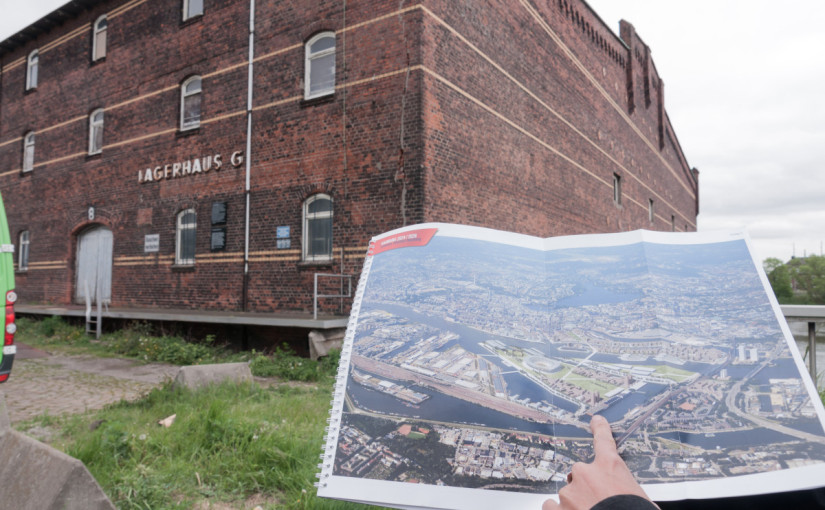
pixel 524 387
pixel 592 295
pixel 447 409
pixel 783 368
pixel 618 409
pixel 727 440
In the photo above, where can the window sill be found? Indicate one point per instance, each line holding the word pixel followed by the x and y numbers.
pixel 183 268
pixel 30 90
pixel 21 271
pixel 96 155
pixel 326 98
pixel 191 20
pixel 100 60
pixel 317 263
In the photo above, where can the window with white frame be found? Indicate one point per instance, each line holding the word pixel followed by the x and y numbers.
pixel 192 8
pixel 23 251
pixel 650 214
pixel 28 152
pixel 317 231
pixel 32 70
pixel 99 38
pixel 319 65
pixel 185 238
pixel 190 103
pixel 617 189
pixel 96 132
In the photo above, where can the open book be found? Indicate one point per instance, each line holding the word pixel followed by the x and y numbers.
pixel 474 360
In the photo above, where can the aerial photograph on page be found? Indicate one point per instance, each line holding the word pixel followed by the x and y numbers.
pixel 480 364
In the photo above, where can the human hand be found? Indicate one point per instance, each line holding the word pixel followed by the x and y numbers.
pixel 606 476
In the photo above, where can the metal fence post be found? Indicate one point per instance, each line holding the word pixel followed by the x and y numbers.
pixel 812 350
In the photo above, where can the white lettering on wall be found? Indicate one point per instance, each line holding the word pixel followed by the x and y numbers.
pixel 187 167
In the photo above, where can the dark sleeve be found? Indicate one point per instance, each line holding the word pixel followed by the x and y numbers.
pixel 624 502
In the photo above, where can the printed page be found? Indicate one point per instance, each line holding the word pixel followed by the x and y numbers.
pixel 478 357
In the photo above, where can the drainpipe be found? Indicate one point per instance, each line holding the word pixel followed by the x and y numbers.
pixel 248 159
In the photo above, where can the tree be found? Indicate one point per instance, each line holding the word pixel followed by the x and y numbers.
pixel 810 277
pixel 780 277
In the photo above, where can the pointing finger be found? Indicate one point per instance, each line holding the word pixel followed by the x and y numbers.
pixel 603 443
pixel 550 504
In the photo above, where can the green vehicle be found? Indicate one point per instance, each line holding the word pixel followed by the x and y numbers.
pixel 7 289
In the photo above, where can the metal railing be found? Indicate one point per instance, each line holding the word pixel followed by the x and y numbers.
pixel 341 294
pixel 810 314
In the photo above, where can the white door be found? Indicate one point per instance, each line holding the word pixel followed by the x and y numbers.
pixel 94 265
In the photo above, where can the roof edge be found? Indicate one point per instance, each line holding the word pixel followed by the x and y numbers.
pixel 62 14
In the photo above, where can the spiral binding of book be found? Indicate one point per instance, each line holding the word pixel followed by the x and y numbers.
pixel 337 404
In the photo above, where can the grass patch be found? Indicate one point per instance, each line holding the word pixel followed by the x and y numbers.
pixel 228 443
pixel 675 374
pixel 586 383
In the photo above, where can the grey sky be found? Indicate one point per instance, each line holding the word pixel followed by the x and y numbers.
pixel 743 88
pixel 743 82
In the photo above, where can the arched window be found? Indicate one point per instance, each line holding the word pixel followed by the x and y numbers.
pixel 96 132
pixel 28 152
pixel 319 65
pixel 23 251
pixel 185 238
pixel 317 231
pixel 190 103
pixel 99 38
pixel 192 8
pixel 31 70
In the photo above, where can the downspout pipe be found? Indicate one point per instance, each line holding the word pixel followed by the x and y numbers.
pixel 248 158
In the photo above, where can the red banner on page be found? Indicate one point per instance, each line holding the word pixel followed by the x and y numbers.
pixel 403 240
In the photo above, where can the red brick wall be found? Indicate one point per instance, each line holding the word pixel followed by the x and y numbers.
pixel 443 112
pixel 529 106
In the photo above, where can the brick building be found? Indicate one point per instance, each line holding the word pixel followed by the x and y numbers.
pixel 191 156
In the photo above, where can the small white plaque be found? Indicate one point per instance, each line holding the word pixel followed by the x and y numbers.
pixel 151 243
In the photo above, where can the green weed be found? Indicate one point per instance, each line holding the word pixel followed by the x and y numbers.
pixel 137 342
pixel 285 364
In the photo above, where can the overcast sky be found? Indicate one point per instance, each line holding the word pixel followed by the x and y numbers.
pixel 744 84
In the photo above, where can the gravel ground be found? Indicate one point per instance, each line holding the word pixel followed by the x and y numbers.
pixel 42 383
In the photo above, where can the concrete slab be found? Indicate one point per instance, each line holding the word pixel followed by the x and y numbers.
pixel 36 476
pixel 197 376
pixel 323 341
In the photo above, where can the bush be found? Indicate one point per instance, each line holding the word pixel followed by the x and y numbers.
pixel 50 325
pixel 49 331
pixel 165 349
